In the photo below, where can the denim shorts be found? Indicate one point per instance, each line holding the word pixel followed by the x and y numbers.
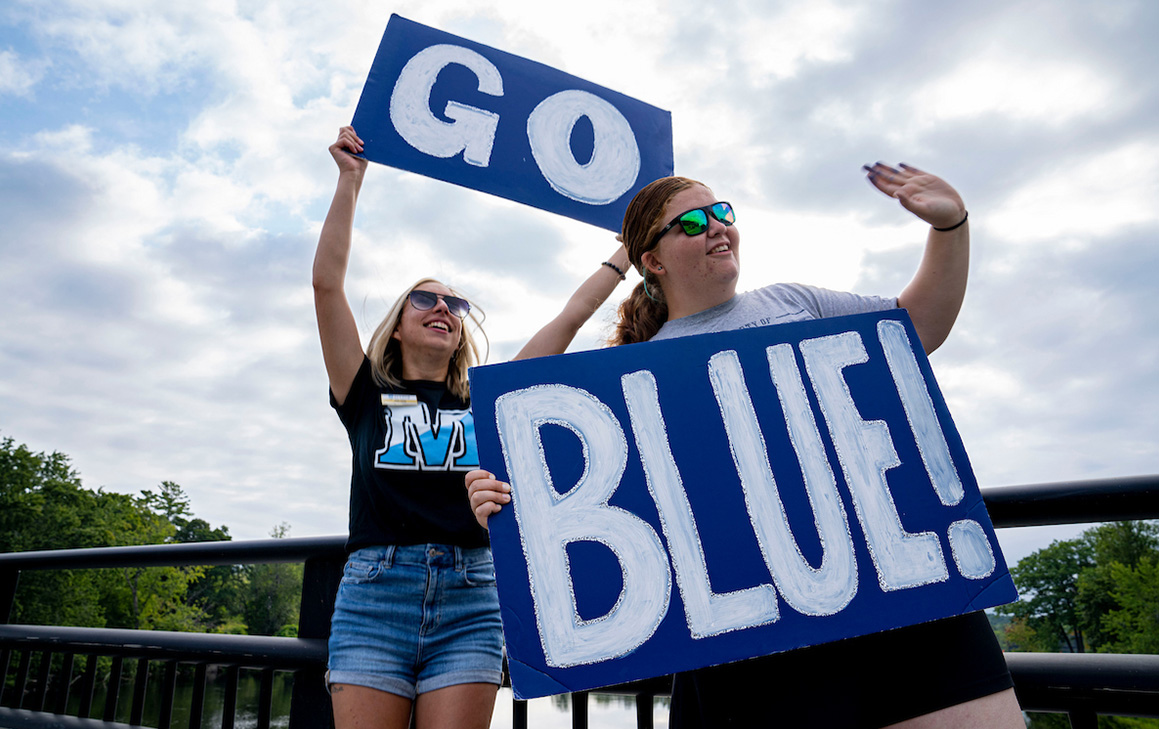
pixel 416 618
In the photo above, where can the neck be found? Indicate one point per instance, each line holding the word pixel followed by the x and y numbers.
pixel 698 301
pixel 431 368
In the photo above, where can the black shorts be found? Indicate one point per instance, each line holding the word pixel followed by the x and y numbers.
pixel 866 682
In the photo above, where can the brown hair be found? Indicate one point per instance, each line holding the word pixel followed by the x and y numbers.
pixel 385 352
pixel 645 310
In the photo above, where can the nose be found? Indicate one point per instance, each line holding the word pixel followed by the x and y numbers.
pixel 715 227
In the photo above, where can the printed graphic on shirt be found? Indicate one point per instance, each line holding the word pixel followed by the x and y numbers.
pixel 416 440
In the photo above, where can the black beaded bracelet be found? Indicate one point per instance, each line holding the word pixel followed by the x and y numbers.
pixel 615 268
pixel 955 225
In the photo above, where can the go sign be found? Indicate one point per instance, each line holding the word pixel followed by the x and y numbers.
pixel 462 112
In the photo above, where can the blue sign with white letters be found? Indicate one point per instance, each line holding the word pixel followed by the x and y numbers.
pixel 462 112
pixel 702 500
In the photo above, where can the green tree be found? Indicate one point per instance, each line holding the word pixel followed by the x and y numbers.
pixel 43 505
pixel 1048 582
pixel 273 596
pixel 1117 548
pixel 1133 626
pixel 213 597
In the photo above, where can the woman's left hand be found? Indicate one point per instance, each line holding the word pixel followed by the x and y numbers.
pixel 927 196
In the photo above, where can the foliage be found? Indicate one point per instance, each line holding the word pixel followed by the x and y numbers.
pixel 274 595
pixel 1050 578
pixel 1097 592
pixel 43 505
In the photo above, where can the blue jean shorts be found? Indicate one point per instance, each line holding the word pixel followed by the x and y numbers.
pixel 416 618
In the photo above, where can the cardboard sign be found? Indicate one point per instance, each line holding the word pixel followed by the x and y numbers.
pixel 702 500
pixel 461 112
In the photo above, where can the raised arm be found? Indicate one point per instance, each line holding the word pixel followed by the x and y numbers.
pixel 557 334
pixel 341 347
pixel 486 493
pixel 934 295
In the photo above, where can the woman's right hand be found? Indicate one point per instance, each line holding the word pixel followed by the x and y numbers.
pixel 341 150
pixel 487 494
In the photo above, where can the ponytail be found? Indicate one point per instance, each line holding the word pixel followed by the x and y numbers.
pixel 640 315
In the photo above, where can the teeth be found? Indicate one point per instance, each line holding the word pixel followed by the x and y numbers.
pixel 720 248
pixel 438 325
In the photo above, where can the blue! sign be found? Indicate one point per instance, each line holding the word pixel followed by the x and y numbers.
pixel 462 112
pixel 696 501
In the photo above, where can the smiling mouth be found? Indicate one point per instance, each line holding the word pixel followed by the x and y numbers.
pixel 722 248
pixel 441 326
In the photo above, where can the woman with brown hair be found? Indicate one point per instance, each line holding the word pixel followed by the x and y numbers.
pixel 948 673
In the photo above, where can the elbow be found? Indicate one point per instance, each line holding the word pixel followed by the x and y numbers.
pixel 325 285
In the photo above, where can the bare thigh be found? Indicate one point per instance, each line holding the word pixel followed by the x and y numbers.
pixel 996 711
pixel 464 706
pixel 359 707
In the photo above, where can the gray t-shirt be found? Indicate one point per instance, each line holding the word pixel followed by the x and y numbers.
pixel 775 304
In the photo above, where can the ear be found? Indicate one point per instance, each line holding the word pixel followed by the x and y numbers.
pixel 652 263
pixel 395 335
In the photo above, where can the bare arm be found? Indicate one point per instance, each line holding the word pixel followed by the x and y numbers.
pixel 487 494
pixel 341 347
pixel 934 296
pixel 557 334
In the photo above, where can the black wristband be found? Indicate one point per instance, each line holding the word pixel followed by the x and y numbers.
pixel 615 268
pixel 958 224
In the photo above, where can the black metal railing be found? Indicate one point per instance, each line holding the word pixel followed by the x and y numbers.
pixel 1080 685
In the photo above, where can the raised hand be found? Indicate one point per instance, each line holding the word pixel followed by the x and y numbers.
pixel 927 196
pixel 348 142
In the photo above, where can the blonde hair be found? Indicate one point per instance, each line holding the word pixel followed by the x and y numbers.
pixel 385 352
pixel 645 310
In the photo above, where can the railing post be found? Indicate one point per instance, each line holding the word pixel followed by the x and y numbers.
pixel 229 704
pixel 140 684
pixel 113 694
pixel 579 710
pixel 518 714
pixel 8 580
pixel 1083 719
pixel 644 703
pixel 197 702
pixel 168 689
pixel 310 703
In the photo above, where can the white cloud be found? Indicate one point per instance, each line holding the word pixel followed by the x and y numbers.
pixel 1084 197
pixel 16 76
pixel 1021 88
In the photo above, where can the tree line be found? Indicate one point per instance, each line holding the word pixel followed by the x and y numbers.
pixel 44 505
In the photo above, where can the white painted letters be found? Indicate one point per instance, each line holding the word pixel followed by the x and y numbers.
pixel 473 131
pixel 615 161
pixel 708 613
pixel 548 522
pixel 866 452
pixel 611 171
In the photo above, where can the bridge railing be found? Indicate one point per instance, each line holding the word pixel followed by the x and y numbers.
pixel 37 662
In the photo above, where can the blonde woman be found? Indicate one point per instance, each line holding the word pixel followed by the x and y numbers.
pixel 416 626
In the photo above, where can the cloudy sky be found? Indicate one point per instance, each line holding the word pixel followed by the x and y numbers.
pixel 164 175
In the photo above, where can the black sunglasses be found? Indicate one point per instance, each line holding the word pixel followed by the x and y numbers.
pixel 695 221
pixel 426 300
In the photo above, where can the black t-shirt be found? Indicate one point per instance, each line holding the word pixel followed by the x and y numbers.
pixel 411 447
